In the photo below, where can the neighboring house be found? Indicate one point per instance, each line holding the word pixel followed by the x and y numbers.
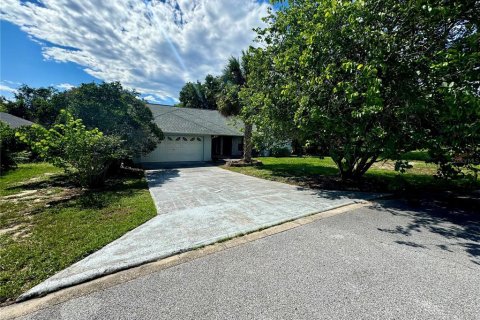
pixel 14 121
pixel 194 135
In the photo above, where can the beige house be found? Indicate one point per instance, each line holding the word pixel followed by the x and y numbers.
pixel 194 135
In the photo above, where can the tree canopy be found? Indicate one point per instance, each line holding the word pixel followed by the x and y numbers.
pixel 201 95
pixel 369 78
pixel 40 105
pixel 115 111
pixel 109 107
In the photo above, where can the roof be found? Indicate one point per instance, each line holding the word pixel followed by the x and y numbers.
pixel 14 121
pixel 194 121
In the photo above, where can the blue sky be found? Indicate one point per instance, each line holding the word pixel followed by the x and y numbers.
pixel 151 46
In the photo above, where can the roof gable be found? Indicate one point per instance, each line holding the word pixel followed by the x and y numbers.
pixel 194 121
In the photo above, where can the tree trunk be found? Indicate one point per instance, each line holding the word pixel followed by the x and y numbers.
pixel 247 148
pixel 356 169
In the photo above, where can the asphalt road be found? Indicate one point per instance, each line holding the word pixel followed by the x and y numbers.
pixel 383 262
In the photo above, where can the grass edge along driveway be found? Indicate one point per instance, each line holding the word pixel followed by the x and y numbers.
pixel 39 238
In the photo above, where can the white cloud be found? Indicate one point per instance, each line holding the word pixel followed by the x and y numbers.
pixel 152 99
pixel 153 46
pixel 6 88
pixel 65 86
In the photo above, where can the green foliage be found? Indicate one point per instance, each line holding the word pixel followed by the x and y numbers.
pixel 280 152
pixel 86 154
pixel 115 111
pixel 231 103
pixel 418 155
pixel 369 78
pixel 228 101
pixel 39 105
pixel 106 106
pixel 12 151
pixel 201 95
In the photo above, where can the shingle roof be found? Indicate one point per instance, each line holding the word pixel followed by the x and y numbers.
pixel 194 121
pixel 14 121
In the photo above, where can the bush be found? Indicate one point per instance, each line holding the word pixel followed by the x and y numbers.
pixel 86 154
pixel 280 152
pixel 12 151
pixel 418 155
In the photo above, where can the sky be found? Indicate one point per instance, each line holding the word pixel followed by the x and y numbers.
pixel 152 46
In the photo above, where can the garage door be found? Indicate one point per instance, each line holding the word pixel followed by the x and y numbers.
pixel 177 148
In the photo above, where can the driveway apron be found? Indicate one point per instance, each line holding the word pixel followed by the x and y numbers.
pixel 198 206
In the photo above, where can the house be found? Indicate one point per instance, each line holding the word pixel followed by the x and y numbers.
pixel 14 121
pixel 194 135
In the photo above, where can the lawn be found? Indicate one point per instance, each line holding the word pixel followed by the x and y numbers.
pixel 322 173
pixel 46 224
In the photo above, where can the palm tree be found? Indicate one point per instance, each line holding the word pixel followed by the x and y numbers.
pixel 229 103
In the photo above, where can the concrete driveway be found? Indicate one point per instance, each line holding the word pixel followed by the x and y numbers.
pixel 198 206
pixel 211 188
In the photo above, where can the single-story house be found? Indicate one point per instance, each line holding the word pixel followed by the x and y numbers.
pixel 14 121
pixel 194 135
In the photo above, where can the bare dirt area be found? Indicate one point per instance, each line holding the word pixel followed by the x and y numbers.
pixel 33 195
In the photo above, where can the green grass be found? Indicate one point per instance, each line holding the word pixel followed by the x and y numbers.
pixel 323 173
pixel 39 171
pixel 37 243
pixel 416 155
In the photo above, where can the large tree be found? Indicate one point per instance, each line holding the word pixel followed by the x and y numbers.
pixel 229 101
pixel 200 95
pixel 115 111
pixel 368 78
pixel 40 105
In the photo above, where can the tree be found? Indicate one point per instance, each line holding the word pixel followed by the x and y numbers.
pixel 229 101
pixel 12 151
pixel 200 95
pixel 85 154
pixel 115 111
pixel 39 105
pixel 211 88
pixel 363 76
pixel 192 96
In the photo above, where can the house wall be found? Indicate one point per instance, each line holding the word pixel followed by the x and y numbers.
pixel 207 148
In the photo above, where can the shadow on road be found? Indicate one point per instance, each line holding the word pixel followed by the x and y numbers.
pixel 460 226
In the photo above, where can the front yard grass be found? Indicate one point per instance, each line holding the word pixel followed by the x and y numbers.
pixel 381 177
pixel 46 224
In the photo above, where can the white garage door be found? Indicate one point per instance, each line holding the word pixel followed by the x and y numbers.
pixel 177 148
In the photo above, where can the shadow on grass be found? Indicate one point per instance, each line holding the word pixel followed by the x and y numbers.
pixel 461 226
pixel 58 180
pixel 124 184
pixel 299 170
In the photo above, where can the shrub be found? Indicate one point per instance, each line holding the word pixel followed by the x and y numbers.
pixel 12 151
pixel 280 152
pixel 86 154
pixel 418 155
